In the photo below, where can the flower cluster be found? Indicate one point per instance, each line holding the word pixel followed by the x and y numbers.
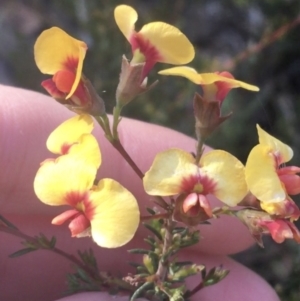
pixel 271 184
pixel 106 211
pixel 263 186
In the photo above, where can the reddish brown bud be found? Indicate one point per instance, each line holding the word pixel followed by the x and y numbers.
pixel 130 83
pixel 208 116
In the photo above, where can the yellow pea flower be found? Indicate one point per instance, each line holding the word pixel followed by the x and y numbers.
pixel 58 54
pixel 74 137
pixel 174 172
pixel 106 211
pixel 268 180
pixel 155 42
pixel 215 85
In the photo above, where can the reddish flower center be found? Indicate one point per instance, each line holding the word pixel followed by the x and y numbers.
pixel 198 183
pixel 150 52
pixel 64 80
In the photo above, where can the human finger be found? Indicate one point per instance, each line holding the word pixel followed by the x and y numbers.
pixel 26 120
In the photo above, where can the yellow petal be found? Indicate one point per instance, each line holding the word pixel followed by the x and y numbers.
pixel 184 71
pixel 116 214
pixel 55 50
pixel 205 78
pixel 58 180
pixel 172 45
pixel 69 133
pixel 87 150
pixel 228 174
pixel 281 150
pixel 168 170
pixel 125 17
pixel 261 176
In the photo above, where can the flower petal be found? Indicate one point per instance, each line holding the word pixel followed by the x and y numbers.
pixel 282 151
pixel 63 181
pixel 261 175
pixel 172 45
pixel 125 17
pixel 206 78
pixel 87 150
pixel 168 170
pixel 115 215
pixel 55 50
pixel 184 71
pixel 228 174
pixel 68 133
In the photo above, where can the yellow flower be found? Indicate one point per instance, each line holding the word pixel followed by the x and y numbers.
pixel 267 180
pixel 58 54
pixel 155 42
pixel 174 172
pixel 215 85
pixel 106 211
pixel 74 137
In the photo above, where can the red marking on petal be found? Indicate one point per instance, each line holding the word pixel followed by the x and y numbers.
pixel 63 217
pixel 79 224
pixel 64 80
pixel 150 52
pixel 64 149
pixel 89 209
pixel 71 63
pixel 223 88
pixel 74 198
pixel 51 88
pixel 189 184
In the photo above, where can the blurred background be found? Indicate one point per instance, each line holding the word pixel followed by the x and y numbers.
pixel 258 41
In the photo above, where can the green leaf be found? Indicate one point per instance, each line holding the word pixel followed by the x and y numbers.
pixel 138 251
pixel 142 289
pixel 21 252
pixel 154 231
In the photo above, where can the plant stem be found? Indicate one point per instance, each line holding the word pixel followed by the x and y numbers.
pixel 195 290
pixel 33 240
pixel 118 146
pixel 104 276
pixel 156 216
pixel 200 150
pixel 162 270
pixel 113 138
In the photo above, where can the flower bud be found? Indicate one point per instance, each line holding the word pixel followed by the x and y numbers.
pixel 131 83
pixel 208 116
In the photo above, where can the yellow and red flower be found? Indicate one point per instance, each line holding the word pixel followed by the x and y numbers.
pixel 215 86
pixel 174 172
pixel 106 211
pixel 259 223
pixel 269 181
pixel 155 42
pixel 58 54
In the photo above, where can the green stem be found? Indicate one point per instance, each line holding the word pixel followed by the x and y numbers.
pixel 116 121
pixel 113 137
pixel 200 149
pixel 162 270
pixel 156 216
pixel 104 276
pixel 195 290
pixel 103 121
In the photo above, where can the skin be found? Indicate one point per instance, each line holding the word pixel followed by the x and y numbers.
pixel 26 120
